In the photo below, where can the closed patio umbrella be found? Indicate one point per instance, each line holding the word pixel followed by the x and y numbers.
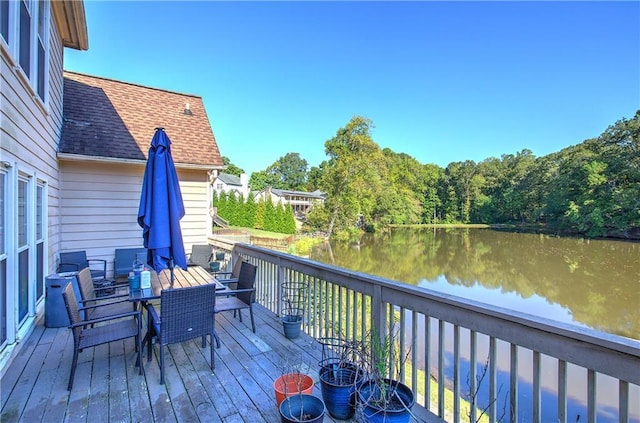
pixel 161 208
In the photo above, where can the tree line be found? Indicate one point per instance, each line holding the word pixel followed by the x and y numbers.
pixel 592 188
pixel 245 212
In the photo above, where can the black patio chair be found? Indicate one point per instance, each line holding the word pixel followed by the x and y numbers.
pixel 112 328
pixel 230 278
pixel 201 255
pixel 73 261
pixel 186 313
pixel 96 306
pixel 241 298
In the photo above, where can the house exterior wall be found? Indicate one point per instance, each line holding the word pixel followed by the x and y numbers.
pixel 29 134
pixel 99 207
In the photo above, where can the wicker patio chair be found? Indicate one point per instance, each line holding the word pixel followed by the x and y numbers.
pixel 241 298
pixel 201 255
pixel 73 261
pixel 112 328
pixel 230 278
pixel 95 306
pixel 186 313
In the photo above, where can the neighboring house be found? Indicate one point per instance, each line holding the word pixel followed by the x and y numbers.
pixel 33 35
pixel 301 202
pixel 107 130
pixel 231 183
pixel 73 149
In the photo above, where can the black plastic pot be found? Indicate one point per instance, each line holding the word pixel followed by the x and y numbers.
pixel 302 408
pixel 395 408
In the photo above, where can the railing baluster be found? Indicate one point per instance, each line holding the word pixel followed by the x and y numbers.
pixel 414 351
pixel 427 361
pixel 473 359
pixel 513 385
pixel 493 371
pixel 562 391
pixel 441 368
pixel 623 402
pixel 456 373
pixel 536 387
pixel 591 396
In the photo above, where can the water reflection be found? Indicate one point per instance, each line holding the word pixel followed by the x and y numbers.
pixel 590 282
pixel 594 283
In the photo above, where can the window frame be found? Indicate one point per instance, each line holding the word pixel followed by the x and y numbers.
pixel 36 78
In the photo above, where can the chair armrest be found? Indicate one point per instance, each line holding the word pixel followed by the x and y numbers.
pixel 228 281
pixel 106 319
pixel 233 292
pixel 153 315
pixel 88 307
pixel 102 261
pixel 100 299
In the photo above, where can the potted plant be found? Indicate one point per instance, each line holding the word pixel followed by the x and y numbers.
pixel 340 374
pixel 294 397
pixel 293 299
pixel 382 398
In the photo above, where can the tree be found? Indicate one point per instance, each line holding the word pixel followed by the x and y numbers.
pixel 353 176
pixel 231 168
pixel 288 172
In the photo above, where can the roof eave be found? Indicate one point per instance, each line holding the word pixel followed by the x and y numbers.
pixel 72 24
pixel 102 159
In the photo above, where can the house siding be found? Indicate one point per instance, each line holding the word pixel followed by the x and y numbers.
pixel 99 207
pixel 29 135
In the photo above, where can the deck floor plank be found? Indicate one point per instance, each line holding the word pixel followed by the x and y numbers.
pixel 107 386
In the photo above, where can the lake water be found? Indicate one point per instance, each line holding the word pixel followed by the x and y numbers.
pixel 592 283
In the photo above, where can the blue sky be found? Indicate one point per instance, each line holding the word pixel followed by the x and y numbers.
pixel 442 81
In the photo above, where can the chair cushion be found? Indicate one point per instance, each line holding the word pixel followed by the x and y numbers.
pixel 229 303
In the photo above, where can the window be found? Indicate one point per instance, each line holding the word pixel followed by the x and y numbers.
pixel 3 259
pixel 24 26
pixel 23 249
pixel 40 216
pixel 4 20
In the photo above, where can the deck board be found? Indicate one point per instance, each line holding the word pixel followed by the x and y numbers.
pixel 107 386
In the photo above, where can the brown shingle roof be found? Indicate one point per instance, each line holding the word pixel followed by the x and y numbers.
pixel 107 118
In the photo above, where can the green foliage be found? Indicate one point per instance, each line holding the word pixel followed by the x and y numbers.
pixel 249 214
pixel 231 168
pixel 591 188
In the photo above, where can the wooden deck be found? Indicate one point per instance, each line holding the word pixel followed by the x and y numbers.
pixel 108 388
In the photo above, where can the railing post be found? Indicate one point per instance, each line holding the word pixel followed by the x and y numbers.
pixel 280 281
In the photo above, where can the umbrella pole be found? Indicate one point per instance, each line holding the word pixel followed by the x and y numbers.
pixel 171 269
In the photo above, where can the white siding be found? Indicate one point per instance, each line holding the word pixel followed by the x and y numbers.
pixel 29 136
pixel 99 208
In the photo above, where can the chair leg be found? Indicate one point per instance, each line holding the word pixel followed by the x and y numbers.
pixel 73 368
pixel 253 324
pixel 161 364
pixel 217 338
pixel 213 363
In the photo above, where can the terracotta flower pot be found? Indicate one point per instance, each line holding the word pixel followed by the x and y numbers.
pixel 292 384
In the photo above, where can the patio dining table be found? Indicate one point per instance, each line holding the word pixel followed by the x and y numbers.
pixel 194 275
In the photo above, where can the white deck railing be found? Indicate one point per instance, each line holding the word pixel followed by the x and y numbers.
pixel 442 334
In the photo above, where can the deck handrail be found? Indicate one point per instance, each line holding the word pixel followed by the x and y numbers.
pixel 597 352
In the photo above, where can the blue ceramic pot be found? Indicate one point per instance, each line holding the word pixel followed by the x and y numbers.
pixel 338 386
pixel 395 407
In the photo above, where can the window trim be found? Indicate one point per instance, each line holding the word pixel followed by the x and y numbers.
pixel 11 49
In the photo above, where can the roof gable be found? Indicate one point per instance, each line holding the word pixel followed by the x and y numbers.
pixel 114 119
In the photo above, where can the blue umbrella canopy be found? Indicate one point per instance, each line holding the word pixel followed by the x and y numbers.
pixel 161 207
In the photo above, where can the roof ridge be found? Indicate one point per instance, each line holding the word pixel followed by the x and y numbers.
pixel 65 71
